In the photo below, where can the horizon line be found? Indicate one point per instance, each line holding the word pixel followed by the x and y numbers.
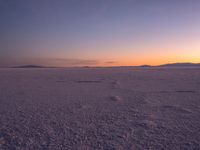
pixel 97 66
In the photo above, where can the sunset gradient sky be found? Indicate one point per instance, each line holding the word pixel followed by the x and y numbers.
pixel 99 32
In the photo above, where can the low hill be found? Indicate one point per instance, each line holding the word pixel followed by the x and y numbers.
pixel 29 66
pixel 181 65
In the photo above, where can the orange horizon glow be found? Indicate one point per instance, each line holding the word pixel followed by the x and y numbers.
pixel 153 58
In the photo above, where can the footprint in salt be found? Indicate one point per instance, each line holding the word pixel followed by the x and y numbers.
pixel 116 98
pixel 146 124
pixel 115 84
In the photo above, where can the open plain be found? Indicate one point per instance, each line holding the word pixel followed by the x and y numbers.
pixel 100 108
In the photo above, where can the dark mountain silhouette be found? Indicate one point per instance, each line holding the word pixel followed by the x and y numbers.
pixel 143 66
pixel 181 65
pixel 29 66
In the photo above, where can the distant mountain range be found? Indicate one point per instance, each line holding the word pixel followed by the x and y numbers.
pixel 29 66
pixel 143 66
pixel 175 65
pixel 181 65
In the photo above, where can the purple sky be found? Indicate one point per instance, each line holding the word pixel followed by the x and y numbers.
pixel 99 32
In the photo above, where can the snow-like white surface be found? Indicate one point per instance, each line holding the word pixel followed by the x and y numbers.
pixel 100 108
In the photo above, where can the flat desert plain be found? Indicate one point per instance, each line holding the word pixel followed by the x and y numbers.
pixel 122 108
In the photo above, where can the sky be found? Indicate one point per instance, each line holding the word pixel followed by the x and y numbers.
pixel 99 32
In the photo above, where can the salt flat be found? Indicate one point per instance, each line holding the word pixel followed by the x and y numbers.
pixel 100 108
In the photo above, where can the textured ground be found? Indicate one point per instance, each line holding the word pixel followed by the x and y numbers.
pixel 100 108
